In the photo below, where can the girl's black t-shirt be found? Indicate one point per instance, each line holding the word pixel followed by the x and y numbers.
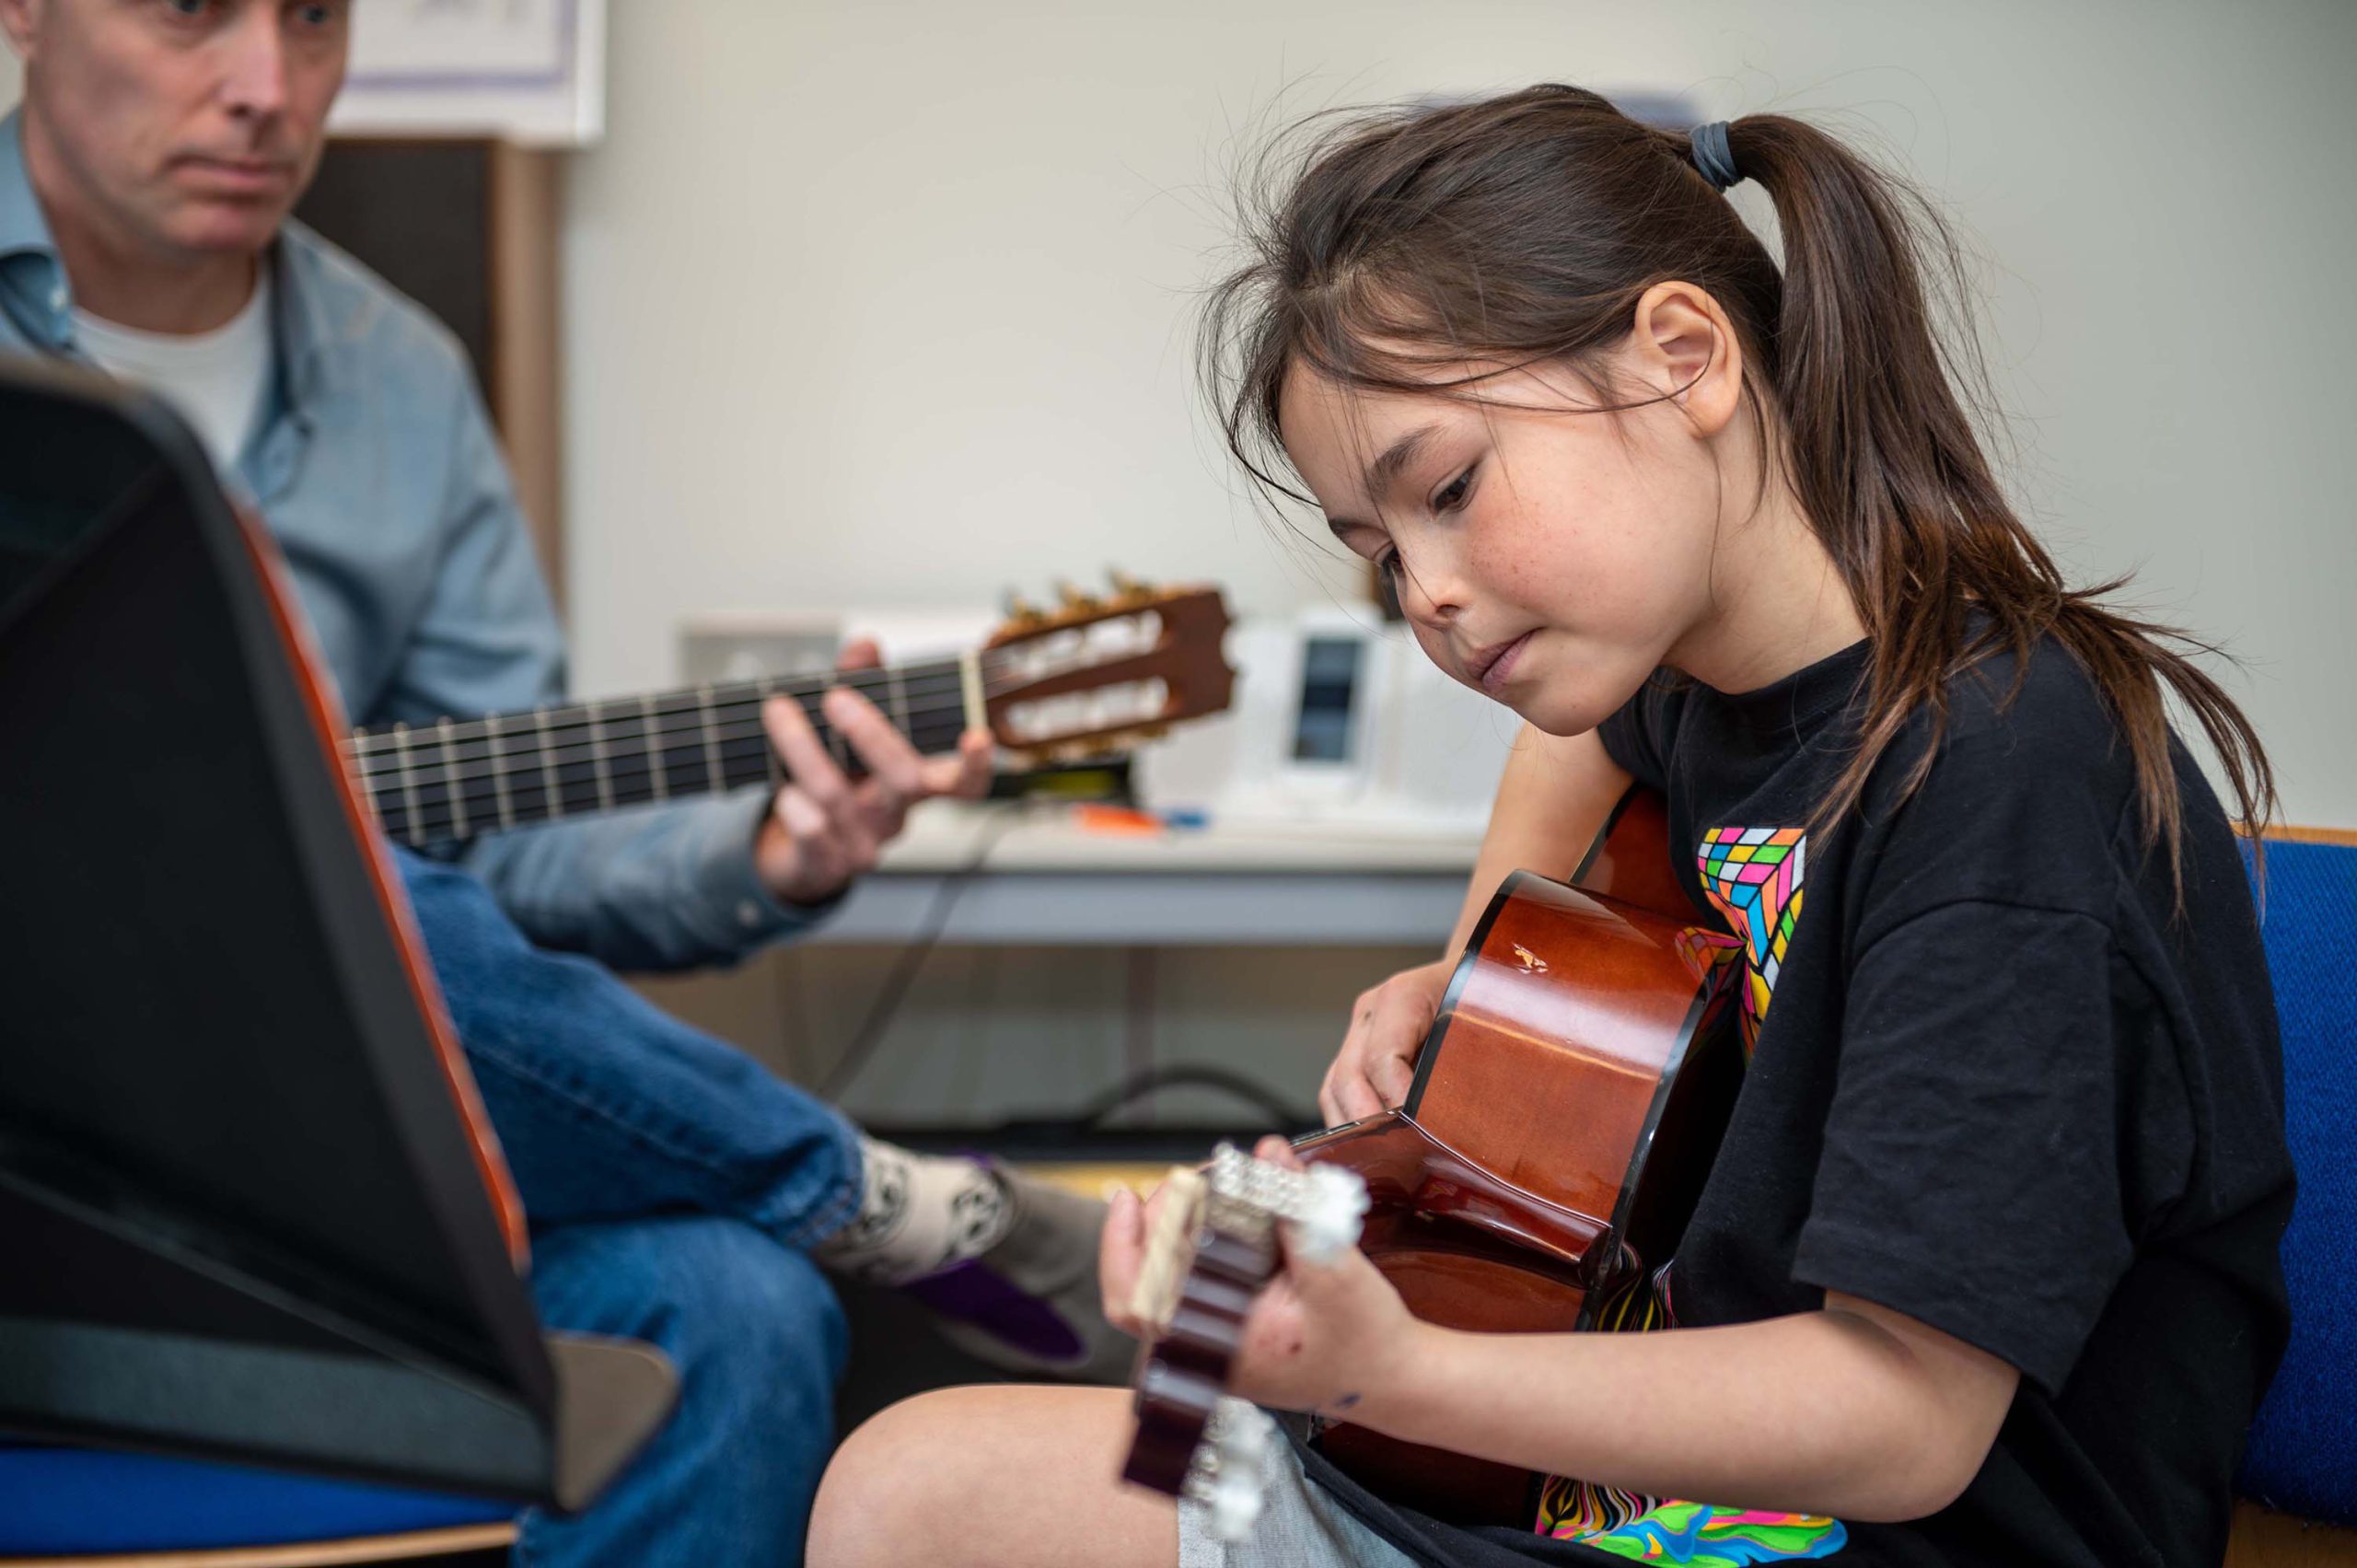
pixel 2002 1081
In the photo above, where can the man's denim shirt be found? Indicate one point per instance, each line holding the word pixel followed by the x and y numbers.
pixel 374 466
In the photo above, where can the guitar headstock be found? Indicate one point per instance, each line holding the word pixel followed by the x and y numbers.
pixel 1100 671
pixel 1213 1248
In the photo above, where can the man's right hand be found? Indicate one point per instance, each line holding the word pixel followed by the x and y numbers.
pixel 1378 1061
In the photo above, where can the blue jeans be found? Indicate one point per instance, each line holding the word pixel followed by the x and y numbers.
pixel 673 1185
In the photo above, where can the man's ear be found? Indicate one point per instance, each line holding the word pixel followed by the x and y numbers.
pixel 1685 348
pixel 20 19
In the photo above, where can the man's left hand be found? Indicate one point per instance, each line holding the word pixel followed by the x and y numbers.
pixel 824 827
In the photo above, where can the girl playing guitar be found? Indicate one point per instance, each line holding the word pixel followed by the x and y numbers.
pixel 1984 1271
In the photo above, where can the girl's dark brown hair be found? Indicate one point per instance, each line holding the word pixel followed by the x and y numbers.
pixel 1522 230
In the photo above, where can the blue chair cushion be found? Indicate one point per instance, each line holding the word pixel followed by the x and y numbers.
pixel 74 1500
pixel 2303 1452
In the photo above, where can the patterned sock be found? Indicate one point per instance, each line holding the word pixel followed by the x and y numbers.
pixel 918 1213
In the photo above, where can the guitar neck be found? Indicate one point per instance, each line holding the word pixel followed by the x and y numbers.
pixel 458 778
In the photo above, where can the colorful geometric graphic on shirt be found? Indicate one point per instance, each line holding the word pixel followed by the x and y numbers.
pixel 1700 1536
pixel 1705 951
pixel 1753 876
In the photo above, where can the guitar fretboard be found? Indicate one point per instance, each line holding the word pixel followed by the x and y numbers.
pixel 452 780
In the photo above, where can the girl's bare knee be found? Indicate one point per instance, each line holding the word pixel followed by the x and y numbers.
pixel 872 1501
pixel 990 1476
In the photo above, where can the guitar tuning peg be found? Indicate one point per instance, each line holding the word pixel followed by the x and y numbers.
pixel 1126 586
pixel 1075 602
pixel 1021 611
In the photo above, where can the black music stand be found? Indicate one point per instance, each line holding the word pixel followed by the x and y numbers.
pixel 240 1212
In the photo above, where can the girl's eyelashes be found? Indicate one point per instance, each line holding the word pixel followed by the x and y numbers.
pixel 1387 561
pixel 1452 494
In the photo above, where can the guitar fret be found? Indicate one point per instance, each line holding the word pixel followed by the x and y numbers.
pixel 499 772
pixel 896 686
pixel 409 784
pixel 653 748
pixel 838 747
pixel 548 762
pixel 366 789
pixel 597 758
pixel 767 687
pixel 450 778
pixel 970 684
pixel 715 780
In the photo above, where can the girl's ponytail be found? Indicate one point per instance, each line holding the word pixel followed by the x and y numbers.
pixel 1886 464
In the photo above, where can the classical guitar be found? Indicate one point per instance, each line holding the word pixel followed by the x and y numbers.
pixel 1564 1111
pixel 1094 674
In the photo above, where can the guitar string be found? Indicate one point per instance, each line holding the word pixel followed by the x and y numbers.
pixel 434 762
pixel 681 772
pixel 509 795
pixel 1000 668
pixel 620 744
pixel 627 721
pixel 736 695
pixel 626 724
pixel 747 748
pixel 438 815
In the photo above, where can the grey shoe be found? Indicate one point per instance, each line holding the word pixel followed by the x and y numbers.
pixel 1031 1303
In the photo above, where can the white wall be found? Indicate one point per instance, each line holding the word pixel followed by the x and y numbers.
pixel 891 301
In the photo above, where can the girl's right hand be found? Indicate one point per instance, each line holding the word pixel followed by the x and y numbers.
pixel 1377 1063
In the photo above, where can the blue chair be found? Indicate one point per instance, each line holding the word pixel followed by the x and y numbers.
pixel 90 1508
pixel 2302 1457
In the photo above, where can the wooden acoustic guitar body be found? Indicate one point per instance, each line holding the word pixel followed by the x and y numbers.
pixel 1565 1110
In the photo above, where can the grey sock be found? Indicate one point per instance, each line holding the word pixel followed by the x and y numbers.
pixel 918 1213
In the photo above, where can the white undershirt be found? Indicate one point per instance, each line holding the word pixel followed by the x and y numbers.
pixel 215 379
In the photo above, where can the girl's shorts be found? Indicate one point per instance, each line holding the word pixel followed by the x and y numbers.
pixel 1300 1524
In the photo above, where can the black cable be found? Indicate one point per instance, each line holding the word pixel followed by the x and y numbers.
pixel 895 989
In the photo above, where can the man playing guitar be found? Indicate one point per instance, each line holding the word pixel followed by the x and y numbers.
pixel 679 1193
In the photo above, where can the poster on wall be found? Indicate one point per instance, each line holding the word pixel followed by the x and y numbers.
pixel 530 71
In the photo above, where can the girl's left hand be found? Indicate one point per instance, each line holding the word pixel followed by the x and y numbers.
pixel 1322 1337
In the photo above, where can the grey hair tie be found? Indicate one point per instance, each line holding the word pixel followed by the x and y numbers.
pixel 1712 156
